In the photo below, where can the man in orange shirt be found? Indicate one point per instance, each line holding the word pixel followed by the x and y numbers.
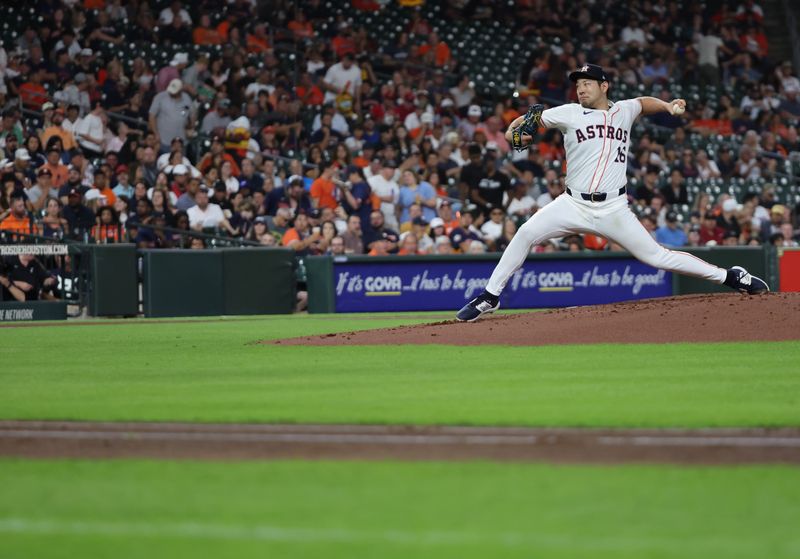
pixel 323 190
pixel 258 41
pixel 204 34
pixel 101 184
pixel 300 26
pixel 435 52
pixel 18 221
pixel 56 129
pixel 32 92
pixel 301 238
pixel 308 92
pixel 58 170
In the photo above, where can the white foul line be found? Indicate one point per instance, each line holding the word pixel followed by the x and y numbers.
pixel 529 539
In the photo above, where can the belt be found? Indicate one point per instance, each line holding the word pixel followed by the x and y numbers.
pixel 597 196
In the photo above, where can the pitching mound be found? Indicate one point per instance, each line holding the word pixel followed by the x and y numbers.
pixel 689 318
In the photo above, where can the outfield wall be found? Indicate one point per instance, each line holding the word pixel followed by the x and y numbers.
pixel 425 283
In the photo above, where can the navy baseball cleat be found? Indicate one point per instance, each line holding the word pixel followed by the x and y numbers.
pixel 741 279
pixel 482 304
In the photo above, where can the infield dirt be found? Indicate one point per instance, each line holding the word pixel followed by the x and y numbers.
pixel 730 317
pixel 205 441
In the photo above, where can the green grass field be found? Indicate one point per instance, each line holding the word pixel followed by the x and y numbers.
pixel 345 509
pixel 212 371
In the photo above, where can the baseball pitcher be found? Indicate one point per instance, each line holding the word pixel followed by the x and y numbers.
pixel 596 133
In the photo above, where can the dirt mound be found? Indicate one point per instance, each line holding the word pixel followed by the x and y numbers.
pixel 688 318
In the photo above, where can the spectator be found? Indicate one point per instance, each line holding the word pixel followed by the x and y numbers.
pixel 414 192
pixel 706 168
pixel 466 233
pixel 408 245
pixel 467 127
pixel 206 216
pixel 280 223
pixel 22 167
pixel 789 238
pixel 43 190
pixel 353 237
pixel 101 184
pixel 324 193
pixel 773 225
pixel 108 228
pixel 671 234
pixel 518 203
pixel 495 136
pixel 342 84
pixel 302 238
pixel 218 119
pixel 170 114
pixel 710 232
pixel 8 289
pixel 80 219
pixel 123 186
pixel 56 129
pixel 492 186
pixel 648 189
pixel 509 230
pixel 379 237
pixel 675 192
pixel 337 247
pixel 53 224
pixel 555 187
pixel 747 166
pixel 215 156
pixel 492 230
pixel 58 171
pixel 90 132
pixel 19 220
pixel 387 191
pixel 292 196
pixel 25 279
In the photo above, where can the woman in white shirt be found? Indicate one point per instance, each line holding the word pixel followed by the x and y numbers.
pixel 706 168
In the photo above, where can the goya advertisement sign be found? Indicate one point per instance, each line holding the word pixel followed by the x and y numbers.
pixel 446 285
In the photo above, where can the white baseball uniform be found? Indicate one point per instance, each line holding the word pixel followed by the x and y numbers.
pixel 596 143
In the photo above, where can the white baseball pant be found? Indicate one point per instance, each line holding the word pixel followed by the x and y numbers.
pixel 614 221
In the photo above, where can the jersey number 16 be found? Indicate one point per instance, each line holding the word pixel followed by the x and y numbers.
pixel 620 155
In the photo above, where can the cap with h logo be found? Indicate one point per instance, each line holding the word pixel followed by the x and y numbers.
pixel 589 72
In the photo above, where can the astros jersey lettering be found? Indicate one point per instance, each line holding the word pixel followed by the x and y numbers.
pixel 596 143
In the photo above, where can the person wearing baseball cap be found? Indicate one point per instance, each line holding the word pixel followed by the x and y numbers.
pixel 589 72
pixel 672 234
pixel 170 114
pixel 79 217
pixel 22 155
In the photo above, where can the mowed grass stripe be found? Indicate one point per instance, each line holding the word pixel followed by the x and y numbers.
pixel 299 509
pixel 215 372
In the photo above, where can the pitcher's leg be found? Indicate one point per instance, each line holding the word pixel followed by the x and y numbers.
pixel 624 228
pixel 558 218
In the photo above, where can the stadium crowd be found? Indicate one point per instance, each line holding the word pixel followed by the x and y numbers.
pixel 305 130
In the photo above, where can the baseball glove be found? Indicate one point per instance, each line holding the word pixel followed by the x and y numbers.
pixel 530 125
